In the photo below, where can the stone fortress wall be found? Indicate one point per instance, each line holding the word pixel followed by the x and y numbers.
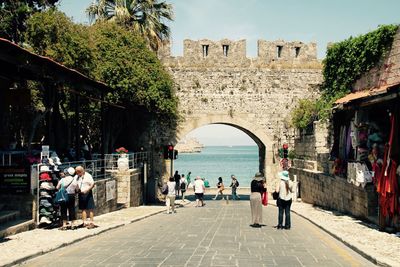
pixel 217 83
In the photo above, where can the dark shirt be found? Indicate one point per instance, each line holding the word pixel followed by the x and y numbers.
pixel 257 186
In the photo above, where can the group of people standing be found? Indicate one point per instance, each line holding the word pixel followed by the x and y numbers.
pixel 77 181
pixel 283 190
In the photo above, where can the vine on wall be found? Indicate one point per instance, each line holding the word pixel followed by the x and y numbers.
pixel 345 62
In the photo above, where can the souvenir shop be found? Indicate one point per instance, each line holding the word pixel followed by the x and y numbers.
pixel 366 150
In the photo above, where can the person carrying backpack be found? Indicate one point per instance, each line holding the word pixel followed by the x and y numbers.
pixel 234 185
pixel 183 186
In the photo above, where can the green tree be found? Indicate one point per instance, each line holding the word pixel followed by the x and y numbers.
pixel 143 17
pixel 14 14
pixel 53 34
pixel 133 71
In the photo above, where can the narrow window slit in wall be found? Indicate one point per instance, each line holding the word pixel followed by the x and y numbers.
pixel 205 50
pixel 297 51
pixel 279 50
pixel 225 49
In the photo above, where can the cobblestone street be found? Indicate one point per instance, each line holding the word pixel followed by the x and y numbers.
pixel 215 235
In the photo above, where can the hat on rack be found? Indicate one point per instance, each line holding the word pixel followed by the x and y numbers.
pixel 44 193
pixel 47 186
pixel 44 168
pixel 45 212
pixel 284 175
pixel 45 203
pixel 44 177
pixel 44 220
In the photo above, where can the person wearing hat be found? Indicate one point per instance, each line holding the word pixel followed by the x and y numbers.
pixel 284 201
pixel 199 190
pixel 257 187
pixel 234 185
pixel 70 184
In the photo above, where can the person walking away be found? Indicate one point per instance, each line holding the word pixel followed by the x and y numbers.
pixel 257 187
pixel 234 185
pixel 188 178
pixel 170 198
pixel 183 187
pixel 285 189
pixel 70 184
pixel 86 202
pixel 199 190
pixel 177 179
pixel 220 188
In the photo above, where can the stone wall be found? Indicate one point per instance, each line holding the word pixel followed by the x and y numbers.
pixel 336 193
pixel 386 73
pixel 25 204
pixel 254 95
pixel 129 187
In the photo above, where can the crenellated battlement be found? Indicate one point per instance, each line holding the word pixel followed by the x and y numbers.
pixel 228 52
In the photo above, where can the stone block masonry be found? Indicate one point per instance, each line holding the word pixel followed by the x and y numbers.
pixel 336 193
pixel 217 83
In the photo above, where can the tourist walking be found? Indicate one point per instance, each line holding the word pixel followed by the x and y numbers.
pixel 234 185
pixel 257 187
pixel 188 178
pixel 220 188
pixel 70 184
pixel 199 190
pixel 177 179
pixel 170 198
pixel 86 202
pixel 183 187
pixel 285 189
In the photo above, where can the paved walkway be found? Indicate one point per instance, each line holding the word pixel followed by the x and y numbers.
pixel 218 234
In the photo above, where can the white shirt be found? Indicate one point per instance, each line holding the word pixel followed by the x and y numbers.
pixel 283 194
pixel 199 186
pixel 85 182
pixel 69 184
pixel 171 188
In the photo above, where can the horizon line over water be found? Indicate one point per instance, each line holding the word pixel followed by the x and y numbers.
pixel 216 161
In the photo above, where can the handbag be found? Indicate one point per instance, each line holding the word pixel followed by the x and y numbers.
pixel 264 199
pixel 62 195
pixel 275 195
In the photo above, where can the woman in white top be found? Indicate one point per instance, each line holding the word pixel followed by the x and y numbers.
pixel 170 198
pixel 285 189
pixel 71 186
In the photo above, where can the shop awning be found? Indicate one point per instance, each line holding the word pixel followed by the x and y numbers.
pixel 375 94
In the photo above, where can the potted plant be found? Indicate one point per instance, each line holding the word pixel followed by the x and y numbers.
pixel 123 161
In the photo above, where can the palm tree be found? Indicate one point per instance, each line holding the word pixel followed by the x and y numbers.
pixel 145 17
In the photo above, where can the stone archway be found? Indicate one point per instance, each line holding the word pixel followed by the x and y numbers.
pixel 263 141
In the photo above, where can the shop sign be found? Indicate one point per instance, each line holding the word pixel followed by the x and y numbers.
pixel 14 179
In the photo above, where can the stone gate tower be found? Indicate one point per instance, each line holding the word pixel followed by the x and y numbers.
pixel 218 84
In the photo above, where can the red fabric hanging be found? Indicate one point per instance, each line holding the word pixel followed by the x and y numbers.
pixel 387 186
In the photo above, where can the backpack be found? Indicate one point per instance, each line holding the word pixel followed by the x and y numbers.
pixel 164 189
pixel 183 186
pixel 237 183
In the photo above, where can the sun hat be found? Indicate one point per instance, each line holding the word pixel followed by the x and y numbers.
pixel 47 186
pixel 197 178
pixel 44 193
pixel 44 169
pixel 259 176
pixel 44 220
pixel 70 171
pixel 44 177
pixel 45 203
pixel 284 175
pixel 45 212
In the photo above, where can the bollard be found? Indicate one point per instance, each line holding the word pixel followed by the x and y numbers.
pixel 227 199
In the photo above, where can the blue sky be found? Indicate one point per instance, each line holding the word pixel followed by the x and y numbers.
pixel 320 21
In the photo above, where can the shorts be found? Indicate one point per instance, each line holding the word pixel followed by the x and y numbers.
pixel 86 201
pixel 199 196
